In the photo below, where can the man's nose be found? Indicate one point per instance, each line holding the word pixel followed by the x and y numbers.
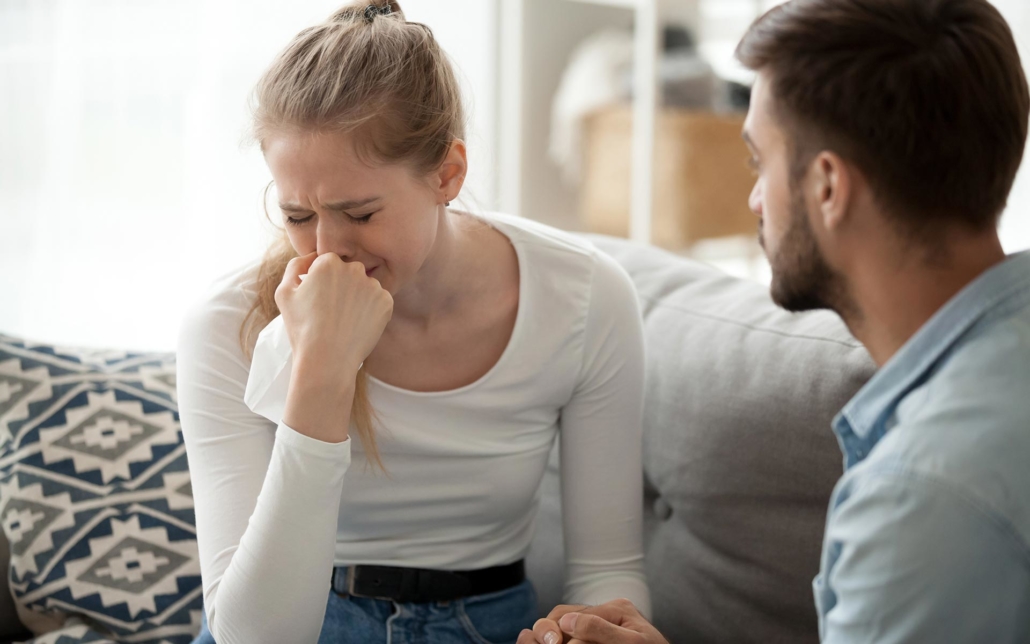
pixel 754 201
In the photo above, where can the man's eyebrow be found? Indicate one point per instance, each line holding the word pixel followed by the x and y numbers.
pixel 338 206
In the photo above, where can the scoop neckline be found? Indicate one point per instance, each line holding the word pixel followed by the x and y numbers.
pixel 501 227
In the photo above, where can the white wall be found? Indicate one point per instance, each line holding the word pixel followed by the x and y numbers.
pixel 124 187
pixel 467 30
pixel 1015 224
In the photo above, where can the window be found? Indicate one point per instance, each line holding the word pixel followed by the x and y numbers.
pixel 126 185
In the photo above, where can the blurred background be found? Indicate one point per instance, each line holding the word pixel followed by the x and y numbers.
pixel 127 182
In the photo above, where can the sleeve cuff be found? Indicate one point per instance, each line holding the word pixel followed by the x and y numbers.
pixel 293 439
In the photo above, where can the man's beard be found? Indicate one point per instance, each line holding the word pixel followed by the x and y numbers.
pixel 802 280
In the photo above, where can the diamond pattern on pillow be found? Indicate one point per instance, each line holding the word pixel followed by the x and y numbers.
pixel 95 494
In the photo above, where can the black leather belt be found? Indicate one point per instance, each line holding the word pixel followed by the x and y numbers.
pixel 419 585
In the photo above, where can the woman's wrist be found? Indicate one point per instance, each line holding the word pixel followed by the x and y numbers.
pixel 319 402
pixel 318 371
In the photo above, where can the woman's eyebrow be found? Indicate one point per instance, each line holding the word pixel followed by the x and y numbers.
pixel 349 205
pixel 335 206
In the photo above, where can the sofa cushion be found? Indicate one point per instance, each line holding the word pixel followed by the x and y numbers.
pixel 95 498
pixel 739 458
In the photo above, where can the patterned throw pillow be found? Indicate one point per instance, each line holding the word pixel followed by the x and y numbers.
pixel 95 496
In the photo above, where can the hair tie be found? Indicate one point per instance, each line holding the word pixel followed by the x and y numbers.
pixel 371 11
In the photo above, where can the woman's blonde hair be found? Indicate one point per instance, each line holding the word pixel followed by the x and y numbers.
pixel 368 72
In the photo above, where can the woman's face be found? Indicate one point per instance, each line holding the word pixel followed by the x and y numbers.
pixel 384 217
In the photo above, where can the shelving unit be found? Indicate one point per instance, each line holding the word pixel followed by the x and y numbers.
pixel 645 109
pixel 536 38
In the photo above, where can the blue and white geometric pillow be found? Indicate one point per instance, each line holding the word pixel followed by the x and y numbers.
pixel 95 495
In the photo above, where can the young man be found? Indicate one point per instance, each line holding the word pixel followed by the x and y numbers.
pixel 886 135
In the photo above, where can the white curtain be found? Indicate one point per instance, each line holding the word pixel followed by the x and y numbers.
pixel 126 185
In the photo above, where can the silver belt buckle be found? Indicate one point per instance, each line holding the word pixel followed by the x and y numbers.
pixel 351 570
pixel 351 578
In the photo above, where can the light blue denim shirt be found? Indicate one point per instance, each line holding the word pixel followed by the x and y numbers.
pixel 928 533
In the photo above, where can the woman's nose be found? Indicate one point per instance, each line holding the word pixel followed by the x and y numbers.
pixel 334 238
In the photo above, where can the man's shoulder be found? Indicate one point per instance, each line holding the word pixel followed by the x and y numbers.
pixel 983 385
pixel 966 429
pixel 999 339
pixel 914 555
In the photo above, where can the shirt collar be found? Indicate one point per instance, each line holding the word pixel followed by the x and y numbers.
pixel 916 358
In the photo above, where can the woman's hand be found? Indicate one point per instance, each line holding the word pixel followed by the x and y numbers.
pixel 334 318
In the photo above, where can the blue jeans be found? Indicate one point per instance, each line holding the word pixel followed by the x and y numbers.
pixel 495 618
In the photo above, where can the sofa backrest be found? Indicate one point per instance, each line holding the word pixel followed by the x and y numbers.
pixel 739 458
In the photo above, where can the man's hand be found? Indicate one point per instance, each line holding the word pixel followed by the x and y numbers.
pixel 617 622
pixel 547 630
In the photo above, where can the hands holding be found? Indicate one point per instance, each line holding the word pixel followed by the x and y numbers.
pixel 617 622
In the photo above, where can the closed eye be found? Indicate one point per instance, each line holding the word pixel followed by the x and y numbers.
pixel 363 219
pixel 300 221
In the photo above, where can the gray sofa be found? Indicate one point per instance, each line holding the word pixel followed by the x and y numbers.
pixel 739 459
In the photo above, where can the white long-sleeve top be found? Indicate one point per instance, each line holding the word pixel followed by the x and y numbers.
pixel 276 509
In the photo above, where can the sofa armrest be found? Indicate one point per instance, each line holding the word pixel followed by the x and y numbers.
pixel 17 638
pixel 11 628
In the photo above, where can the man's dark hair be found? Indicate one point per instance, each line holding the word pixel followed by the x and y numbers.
pixel 927 98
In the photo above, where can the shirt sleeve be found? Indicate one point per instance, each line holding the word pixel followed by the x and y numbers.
pixel 267 498
pixel 601 431
pixel 910 559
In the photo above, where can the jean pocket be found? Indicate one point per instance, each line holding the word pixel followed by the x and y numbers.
pixel 498 618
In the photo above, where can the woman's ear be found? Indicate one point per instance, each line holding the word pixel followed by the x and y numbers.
pixel 450 177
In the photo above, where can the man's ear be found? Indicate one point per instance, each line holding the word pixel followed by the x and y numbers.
pixel 831 188
pixel 450 176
